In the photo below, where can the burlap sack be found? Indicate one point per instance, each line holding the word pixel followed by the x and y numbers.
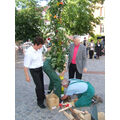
pixel 52 101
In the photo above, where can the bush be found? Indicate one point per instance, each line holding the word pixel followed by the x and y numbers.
pixel 94 38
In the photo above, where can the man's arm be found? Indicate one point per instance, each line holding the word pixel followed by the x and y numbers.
pixel 69 54
pixel 26 74
pixel 69 92
pixel 48 49
pixel 84 59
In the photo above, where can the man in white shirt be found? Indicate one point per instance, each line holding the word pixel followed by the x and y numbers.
pixel 33 61
pixel 84 91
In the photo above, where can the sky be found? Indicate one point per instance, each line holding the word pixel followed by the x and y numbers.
pixel 43 2
pixel 40 2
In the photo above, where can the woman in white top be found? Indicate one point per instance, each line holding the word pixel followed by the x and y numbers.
pixel 33 61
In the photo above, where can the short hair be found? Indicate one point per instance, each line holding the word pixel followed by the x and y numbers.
pixel 38 40
pixel 76 36
pixel 65 82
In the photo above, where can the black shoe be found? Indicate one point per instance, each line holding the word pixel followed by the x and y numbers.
pixel 96 99
pixel 42 106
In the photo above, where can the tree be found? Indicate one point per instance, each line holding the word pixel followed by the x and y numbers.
pixel 78 16
pixel 28 20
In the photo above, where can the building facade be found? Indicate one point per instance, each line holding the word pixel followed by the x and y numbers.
pixel 100 12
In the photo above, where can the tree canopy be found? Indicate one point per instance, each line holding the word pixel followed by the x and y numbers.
pixel 78 16
pixel 28 20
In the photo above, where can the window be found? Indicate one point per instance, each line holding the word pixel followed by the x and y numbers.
pixel 101 28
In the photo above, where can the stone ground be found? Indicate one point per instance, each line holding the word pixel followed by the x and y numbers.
pixel 25 99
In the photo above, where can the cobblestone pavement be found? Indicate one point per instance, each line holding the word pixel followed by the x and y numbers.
pixel 25 99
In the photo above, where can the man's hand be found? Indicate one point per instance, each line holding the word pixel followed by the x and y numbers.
pixel 28 79
pixel 26 74
pixel 85 70
pixel 72 103
pixel 64 97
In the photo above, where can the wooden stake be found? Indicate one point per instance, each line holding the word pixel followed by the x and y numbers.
pixel 69 116
pixel 87 116
pixel 64 109
pixel 78 111
pixel 101 116
pixel 76 116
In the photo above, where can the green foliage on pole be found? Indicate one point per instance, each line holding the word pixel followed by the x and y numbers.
pixel 57 36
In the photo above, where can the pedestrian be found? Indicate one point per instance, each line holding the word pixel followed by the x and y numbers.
pixel 77 58
pixel 91 49
pixel 98 49
pixel 103 46
pixel 85 43
pixel 83 90
pixel 33 62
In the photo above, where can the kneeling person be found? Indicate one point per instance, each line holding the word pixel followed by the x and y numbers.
pixel 84 91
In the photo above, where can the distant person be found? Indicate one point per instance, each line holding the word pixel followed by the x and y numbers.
pixel 91 49
pixel 103 42
pixel 85 43
pixel 33 61
pixel 103 46
pixel 77 58
pixel 98 49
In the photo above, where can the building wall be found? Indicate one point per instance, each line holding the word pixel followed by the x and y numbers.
pixel 99 29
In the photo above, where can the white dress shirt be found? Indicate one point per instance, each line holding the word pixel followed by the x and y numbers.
pixel 34 58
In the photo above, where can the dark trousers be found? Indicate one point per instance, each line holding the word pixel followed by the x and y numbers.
pixel 91 52
pixel 37 75
pixel 73 70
